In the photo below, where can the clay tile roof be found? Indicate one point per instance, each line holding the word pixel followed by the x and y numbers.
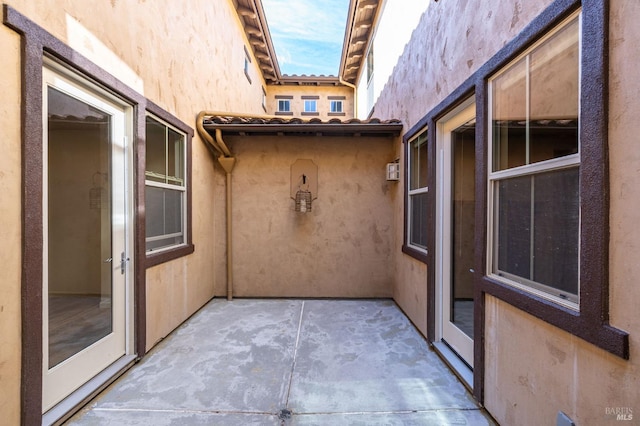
pixel 263 126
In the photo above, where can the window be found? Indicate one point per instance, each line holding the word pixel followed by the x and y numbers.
pixel 370 82
pixel 370 65
pixel 247 61
pixel 417 189
pixel 165 182
pixel 310 105
pixel 336 106
pixel 264 99
pixel 284 105
pixel 534 206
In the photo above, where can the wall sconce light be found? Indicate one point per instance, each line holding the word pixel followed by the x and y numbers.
pixel 393 171
pixel 304 184
pixel 303 198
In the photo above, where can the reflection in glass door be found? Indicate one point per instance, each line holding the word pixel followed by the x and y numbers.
pixel 456 231
pixel 462 226
pixel 79 223
pixel 84 235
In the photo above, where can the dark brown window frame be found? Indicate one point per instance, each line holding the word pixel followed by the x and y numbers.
pixel 36 44
pixel 591 323
pixel 156 258
pixel 247 61
pixel 408 249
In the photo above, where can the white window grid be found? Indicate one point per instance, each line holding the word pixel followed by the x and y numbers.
pixel 179 184
pixel 420 139
pixel 310 105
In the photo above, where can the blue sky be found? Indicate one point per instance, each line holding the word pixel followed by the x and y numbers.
pixel 307 34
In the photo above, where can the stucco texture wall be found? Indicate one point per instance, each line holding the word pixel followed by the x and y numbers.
pixel 183 56
pixel 10 231
pixel 532 369
pixel 342 248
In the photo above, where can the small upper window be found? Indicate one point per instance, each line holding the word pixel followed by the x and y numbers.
pixel 336 106
pixel 284 105
pixel 417 192
pixel 247 61
pixel 310 105
pixel 165 180
pixel 370 65
pixel 264 99
pixel 534 206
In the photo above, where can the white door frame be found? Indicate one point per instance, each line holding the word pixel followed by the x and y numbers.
pixel 445 331
pixel 64 379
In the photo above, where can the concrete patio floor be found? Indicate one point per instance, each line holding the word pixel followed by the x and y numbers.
pixel 289 362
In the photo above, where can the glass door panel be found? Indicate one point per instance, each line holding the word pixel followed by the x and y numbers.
pixel 463 226
pixel 455 231
pixel 79 223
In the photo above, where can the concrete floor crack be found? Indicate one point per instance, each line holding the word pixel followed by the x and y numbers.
pixel 295 356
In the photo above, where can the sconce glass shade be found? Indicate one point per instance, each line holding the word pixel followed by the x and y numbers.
pixel 303 201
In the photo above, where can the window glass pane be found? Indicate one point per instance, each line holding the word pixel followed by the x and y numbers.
pixel 418 225
pixel 509 114
pixel 78 213
pixel 163 217
pixel 155 151
pixel 463 225
pixel 172 211
pixel 556 230
pixel 418 162
pixel 310 106
pixel 554 96
pixel 513 207
pixel 175 161
pixel 283 106
pixel 549 77
pixel 336 106
pixel 538 228
pixel 369 65
pixel 154 208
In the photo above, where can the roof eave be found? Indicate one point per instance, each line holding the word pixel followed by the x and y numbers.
pixel 362 18
pixel 309 129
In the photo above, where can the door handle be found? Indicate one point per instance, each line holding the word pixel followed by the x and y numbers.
pixel 123 262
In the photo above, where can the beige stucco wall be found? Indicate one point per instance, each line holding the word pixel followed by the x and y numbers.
pixel 342 248
pixel 185 57
pixel 533 370
pixel 10 232
pixel 396 22
pixel 323 102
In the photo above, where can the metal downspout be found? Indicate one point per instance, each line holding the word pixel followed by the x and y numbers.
pixel 355 94
pixel 227 161
pixel 227 164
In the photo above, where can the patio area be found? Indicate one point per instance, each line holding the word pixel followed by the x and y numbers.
pixel 289 362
